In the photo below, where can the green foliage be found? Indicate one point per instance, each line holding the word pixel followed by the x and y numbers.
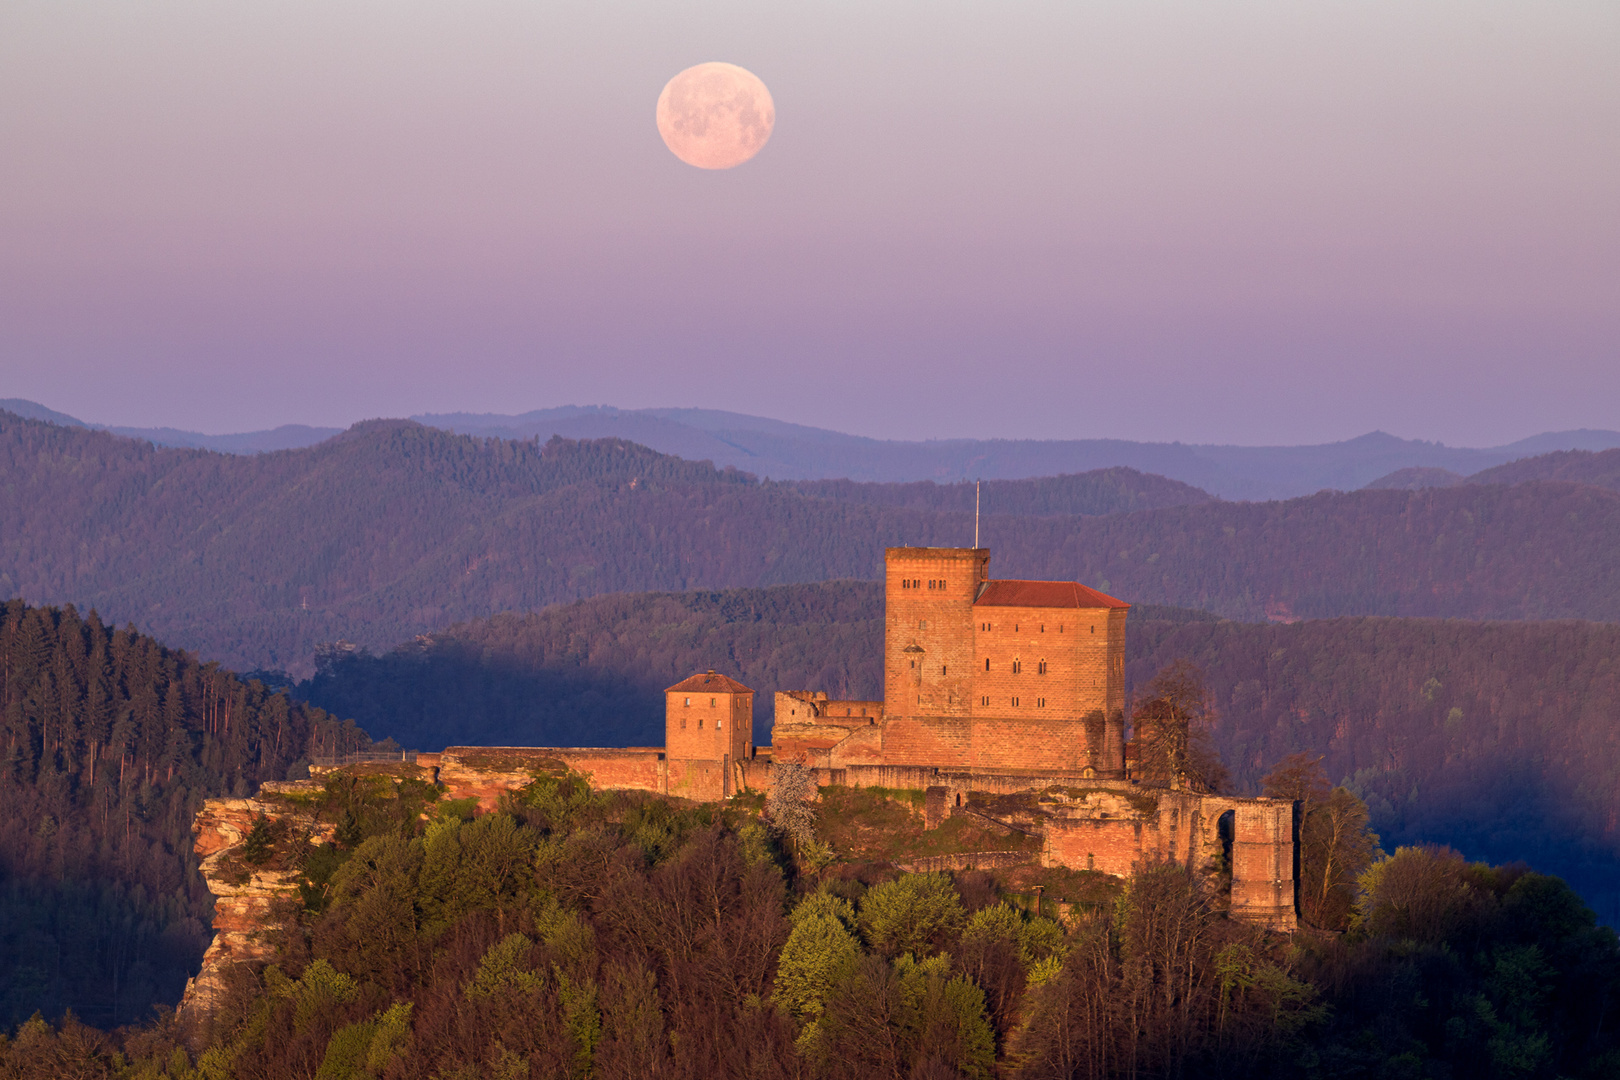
pixel 561 801
pixel 256 846
pixel 471 865
pixel 505 968
pixel 1418 892
pixel 820 953
pixel 915 913
pixel 314 994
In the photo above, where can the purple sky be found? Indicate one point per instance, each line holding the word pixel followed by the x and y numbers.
pixel 1254 223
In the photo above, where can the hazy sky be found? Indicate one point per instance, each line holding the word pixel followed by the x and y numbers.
pixel 1252 223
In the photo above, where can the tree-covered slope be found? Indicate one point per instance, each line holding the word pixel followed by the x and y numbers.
pixel 1600 469
pixel 622 936
pixel 394 529
pixel 110 743
pixel 1499 737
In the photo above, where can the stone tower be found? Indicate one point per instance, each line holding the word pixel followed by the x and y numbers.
pixel 928 629
pixel 708 728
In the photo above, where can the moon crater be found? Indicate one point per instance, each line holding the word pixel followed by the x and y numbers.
pixel 715 115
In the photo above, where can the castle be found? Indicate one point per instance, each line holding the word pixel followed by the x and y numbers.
pixel 1011 692
pixel 1004 700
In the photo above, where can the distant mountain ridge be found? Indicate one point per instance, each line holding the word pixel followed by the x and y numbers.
pixel 285 437
pixel 393 529
pixel 786 451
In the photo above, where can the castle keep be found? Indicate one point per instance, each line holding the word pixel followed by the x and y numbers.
pixel 978 674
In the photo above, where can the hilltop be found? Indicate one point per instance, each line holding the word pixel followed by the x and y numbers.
pixel 1492 736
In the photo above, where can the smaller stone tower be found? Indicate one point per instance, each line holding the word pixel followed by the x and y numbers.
pixel 708 728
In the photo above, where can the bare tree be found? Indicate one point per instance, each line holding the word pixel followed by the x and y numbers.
pixel 1172 724
pixel 1335 841
pixel 791 803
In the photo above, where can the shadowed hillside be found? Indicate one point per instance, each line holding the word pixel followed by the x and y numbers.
pixel 111 742
pixel 393 529
pixel 1497 737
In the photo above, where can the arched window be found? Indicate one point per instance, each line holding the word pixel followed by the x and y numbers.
pixel 1018 665
pixel 1040 668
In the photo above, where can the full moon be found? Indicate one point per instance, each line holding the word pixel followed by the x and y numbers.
pixel 715 116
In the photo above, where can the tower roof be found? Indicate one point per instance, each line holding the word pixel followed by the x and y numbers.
pixel 1050 594
pixel 709 682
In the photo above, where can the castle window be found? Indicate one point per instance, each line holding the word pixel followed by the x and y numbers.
pixel 1018 665
pixel 1040 668
pixel 984 701
pixel 683 723
pixel 718 724
pixel 1015 702
pixel 1040 703
pixel 1091 861
pixel 942 669
pixel 688 703
pixel 712 703
pixel 1043 628
pixel 700 723
pixel 987 663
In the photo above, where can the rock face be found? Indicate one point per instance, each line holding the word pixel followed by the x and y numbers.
pixel 249 901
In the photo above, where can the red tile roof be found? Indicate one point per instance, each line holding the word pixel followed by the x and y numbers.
pixel 709 683
pixel 1058 594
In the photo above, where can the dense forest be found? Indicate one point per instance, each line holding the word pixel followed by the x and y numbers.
pixel 1600 469
pixel 615 935
pixel 392 530
pixel 110 743
pixel 1496 737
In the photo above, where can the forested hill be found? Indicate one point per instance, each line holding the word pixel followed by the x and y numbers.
pixel 110 743
pixel 393 529
pixel 1600 469
pixel 1498 737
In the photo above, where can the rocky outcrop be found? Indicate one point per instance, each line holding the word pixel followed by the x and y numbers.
pixel 249 900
